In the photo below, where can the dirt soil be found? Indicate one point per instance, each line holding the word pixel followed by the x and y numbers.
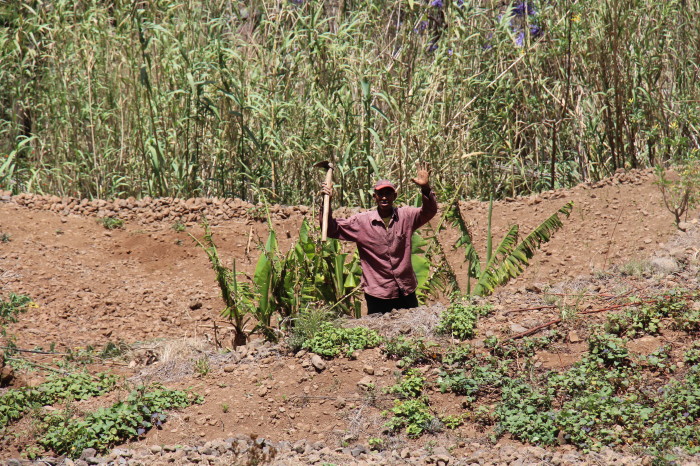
pixel 151 287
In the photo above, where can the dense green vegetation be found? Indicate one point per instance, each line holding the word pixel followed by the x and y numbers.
pixel 226 98
pixel 611 397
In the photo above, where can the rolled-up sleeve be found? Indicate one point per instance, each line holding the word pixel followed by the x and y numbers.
pixel 345 229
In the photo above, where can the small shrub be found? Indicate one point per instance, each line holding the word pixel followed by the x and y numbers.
pixel 635 322
pixel 526 413
pixel 457 355
pixel 452 422
pixel 330 341
pixel 111 223
pixel 114 350
pixel 525 347
pixel 410 351
pixel 410 386
pixel 688 322
pixel 683 193
pixel 660 360
pixel 636 268
pixel 201 366
pixel 485 376
pixel 692 355
pixel 179 226
pixel 15 305
pixel 79 386
pixel 5 238
pixel 306 325
pixel 608 350
pixel 375 443
pixel 482 415
pixel 671 304
pixel 459 319
pixel 413 414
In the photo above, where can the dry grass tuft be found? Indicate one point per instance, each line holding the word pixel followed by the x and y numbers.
pixel 419 322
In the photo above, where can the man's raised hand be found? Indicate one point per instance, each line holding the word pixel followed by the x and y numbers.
pixel 422 178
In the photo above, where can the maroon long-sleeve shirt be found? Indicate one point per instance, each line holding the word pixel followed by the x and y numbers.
pixel 385 252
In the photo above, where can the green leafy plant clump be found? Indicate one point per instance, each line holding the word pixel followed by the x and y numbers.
pixel 410 351
pixel 411 385
pixel 12 307
pixel 510 257
pixel 79 386
pixel 459 319
pixel 106 427
pixel 413 415
pixel 330 341
pixel 111 223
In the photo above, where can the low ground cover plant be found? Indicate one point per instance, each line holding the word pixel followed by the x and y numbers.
pixel 410 351
pixel 460 318
pixel 144 409
pixel 331 341
pixel 411 412
pixel 15 403
pixel 111 223
pixel 611 397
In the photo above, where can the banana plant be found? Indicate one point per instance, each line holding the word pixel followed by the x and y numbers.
pixel 311 272
pixel 428 283
pixel 510 258
pixel 236 295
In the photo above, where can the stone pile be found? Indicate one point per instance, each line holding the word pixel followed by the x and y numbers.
pixel 169 209
pixel 147 210
pixel 245 450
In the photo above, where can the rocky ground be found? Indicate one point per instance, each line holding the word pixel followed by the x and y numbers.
pixel 148 286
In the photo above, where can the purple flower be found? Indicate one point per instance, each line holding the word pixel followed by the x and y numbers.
pixel 535 31
pixel 432 47
pixel 436 3
pixel 524 8
pixel 449 52
pixel 460 3
pixel 422 26
pixel 520 39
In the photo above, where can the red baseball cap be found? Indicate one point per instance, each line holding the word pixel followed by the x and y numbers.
pixel 381 184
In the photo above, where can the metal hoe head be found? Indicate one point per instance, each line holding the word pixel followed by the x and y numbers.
pixel 325 164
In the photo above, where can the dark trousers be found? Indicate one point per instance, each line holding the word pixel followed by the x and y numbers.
pixel 382 306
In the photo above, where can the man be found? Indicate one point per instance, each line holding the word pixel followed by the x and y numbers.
pixel 383 238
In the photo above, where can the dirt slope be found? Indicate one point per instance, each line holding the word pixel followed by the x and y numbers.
pixel 149 285
pixel 141 282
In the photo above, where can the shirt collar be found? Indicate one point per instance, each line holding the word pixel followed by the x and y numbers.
pixel 376 218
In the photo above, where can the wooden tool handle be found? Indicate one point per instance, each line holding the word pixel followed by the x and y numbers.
pixel 326 205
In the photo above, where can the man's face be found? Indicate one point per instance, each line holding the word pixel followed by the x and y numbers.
pixel 385 197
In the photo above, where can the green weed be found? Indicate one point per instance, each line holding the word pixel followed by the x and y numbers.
pixel 202 367
pixel 306 325
pixel 144 409
pixel 79 386
pixel 459 319
pixel 411 385
pixel 413 415
pixel 111 223
pixel 179 226
pixel 410 351
pixel 330 341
